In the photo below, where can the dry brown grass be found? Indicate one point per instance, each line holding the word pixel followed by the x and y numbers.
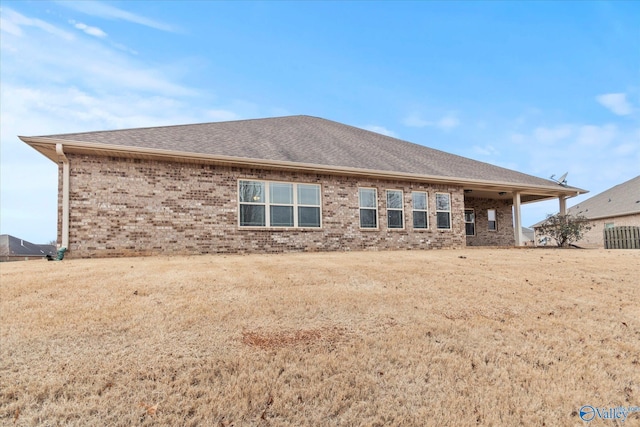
pixel 477 336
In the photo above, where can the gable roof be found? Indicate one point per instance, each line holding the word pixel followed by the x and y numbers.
pixel 13 246
pixel 299 143
pixel 622 199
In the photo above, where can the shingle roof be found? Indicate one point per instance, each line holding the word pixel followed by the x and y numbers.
pixel 308 140
pixel 623 199
pixel 13 246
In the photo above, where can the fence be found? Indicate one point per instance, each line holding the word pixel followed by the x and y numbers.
pixel 625 237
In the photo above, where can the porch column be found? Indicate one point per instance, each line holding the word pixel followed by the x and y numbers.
pixel 517 221
pixel 563 205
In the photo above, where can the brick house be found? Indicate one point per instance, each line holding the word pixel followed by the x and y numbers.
pixel 294 183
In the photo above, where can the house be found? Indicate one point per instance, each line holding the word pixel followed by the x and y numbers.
pixel 617 206
pixel 295 183
pixel 15 249
pixel 528 236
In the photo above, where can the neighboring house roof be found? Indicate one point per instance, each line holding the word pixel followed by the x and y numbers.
pixel 12 246
pixel 621 200
pixel 300 143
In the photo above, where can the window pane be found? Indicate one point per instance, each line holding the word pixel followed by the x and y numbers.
pixel 394 199
pixel 308 194
pixel 442 202
pixel 281 216
pixel 419 201
pixel 394 219
pixel 252 191
pixel 281 193
pixel 470 229
pixel 252 215
pixel 442 220
pixel 491 213
pixel 368 198
pixel 492 225
pixel 419 219
pixel 469 216
pixel 368 218
pixel 308 217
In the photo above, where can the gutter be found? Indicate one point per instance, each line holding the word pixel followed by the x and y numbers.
pixel 65 195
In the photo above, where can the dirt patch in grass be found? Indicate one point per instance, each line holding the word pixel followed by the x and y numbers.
pixel 469 337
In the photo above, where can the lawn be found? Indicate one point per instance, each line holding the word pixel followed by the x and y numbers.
pixel 499 337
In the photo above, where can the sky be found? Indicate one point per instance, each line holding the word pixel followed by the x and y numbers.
pixel 543 88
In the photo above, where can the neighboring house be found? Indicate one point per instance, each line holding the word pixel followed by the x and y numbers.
pixel 14 249
pixel 294 183
pixel 617 206
pixel 528 236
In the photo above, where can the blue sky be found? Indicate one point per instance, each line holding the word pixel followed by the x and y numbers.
pixel 540 87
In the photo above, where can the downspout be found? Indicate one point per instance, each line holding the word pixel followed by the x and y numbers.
pixel 65 196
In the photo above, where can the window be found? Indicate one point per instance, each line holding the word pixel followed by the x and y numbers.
pixel 278 204
pixel 493 222
pixel 420 211
pixel 470 222
pixel 308 205
pixel 443 211
pixel 608 225
pixel 395 213
pixel 252 203
pixel 281 207
pixel 368 207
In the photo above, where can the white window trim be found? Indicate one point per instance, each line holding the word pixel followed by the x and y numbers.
pixel 448 212
pixel 425 210
pixel 377 227
pixel 495 212
pixel 395 209
pixel 470 222
pixel 267 204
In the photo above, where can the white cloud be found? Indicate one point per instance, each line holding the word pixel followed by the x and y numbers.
pixel 92 31
pixel 12 23
pixel 553 135
pixel 54 81
pixel 414 120
pixel 487 150
pixel 447 122
pixel 61 58
pixel 380 129
pixel 626 149
pixel 222 115
pixel 597 157
pixel 590 135
pixel 107 11
pixel 616 102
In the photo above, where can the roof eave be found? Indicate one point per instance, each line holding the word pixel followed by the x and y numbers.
pixel 539 190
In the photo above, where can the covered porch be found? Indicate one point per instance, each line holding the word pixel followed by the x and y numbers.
pixel 493 213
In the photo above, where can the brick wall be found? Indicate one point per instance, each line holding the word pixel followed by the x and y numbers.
pixel 122 207
pixel 504 235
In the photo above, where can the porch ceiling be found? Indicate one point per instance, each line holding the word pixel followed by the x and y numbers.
pixel 526 196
